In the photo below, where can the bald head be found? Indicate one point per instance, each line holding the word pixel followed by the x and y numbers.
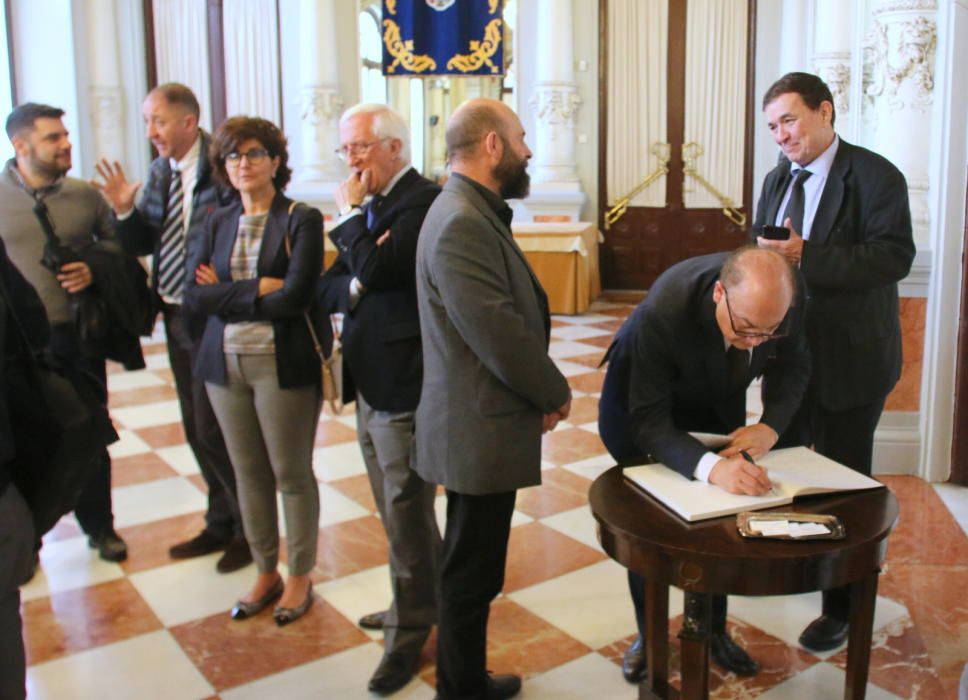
pixel 761 287
pixel 472 121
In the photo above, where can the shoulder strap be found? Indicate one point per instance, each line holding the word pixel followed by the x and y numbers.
pixel 292 208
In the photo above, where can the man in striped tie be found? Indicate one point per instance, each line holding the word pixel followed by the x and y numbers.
pixel 178 195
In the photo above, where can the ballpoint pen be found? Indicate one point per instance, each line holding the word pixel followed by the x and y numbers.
pixel 746 456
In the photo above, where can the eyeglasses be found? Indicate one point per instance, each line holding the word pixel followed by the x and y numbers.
pixel 357 149
pixel 253 155
pixel 775 335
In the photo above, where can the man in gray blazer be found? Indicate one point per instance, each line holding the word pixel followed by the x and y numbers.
pixel 489 387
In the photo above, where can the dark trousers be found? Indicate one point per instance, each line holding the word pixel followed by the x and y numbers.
pixel 844 436
pixel 16 550
pixel 93 509
pixel 637 589
pixel 202 431
pixel 471 576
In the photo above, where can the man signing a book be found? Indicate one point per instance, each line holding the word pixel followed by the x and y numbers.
pixel 682 362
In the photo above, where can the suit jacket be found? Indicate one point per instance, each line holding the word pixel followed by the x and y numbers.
pixel 381 334
pixel 230 301
pixel 860 246
pixel 140 233
pixel 667 372
pixel 485 327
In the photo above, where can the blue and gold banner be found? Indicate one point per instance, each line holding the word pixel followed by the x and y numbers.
pixel 443 37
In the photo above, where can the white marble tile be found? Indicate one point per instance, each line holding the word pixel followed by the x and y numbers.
pixel 343 675
pixel 590 676
pixel 334 507
pixel 148 415
pixel 157 361
pixel 821 680
pixel 565 348
pixel 955 497
pixel 155 500
pixel 577 332
pixel 128 445
pixel 338 461
pixel 586 318
pixel 348 420
pixel 785 617
pixel 191 589
pixel 359 594
pixel 126 381
pixel 577 524
pixel 180 458
pixel 66 565
pixel 591 468
pixel 591 427
pixel 148 667
pixel 571 369
pixel 591 604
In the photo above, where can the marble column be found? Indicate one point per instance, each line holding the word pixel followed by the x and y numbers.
pixel 899 61
pixel 104 91
pixel 556 192
pixel 320 101
pixel 793 37
pixel 831 51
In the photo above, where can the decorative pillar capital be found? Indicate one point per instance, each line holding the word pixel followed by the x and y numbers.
pixel 834 69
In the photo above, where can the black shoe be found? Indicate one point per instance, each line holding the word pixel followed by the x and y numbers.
pixel 109 546
pixel 283 616
pixel 373 621
pixel 728 655
pixel 501 687
pixel 243 611
pixel 634 662
pixel 394 672
pixel 824 633
pixel 200 545
pixel 237 555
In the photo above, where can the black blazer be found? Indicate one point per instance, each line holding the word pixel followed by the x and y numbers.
pixel 667 372
pixel 382 358
pixel 860 247
pixel 226 302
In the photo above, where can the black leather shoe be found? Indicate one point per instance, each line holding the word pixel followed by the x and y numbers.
pixel 728 655
pixel 634 662
pixel 109 546
pixel 394 672
pixel 824 633
pixel 501 687
pixel 237 555
pixel 283 616
pixel 243 611
pixel 203 543
pixel 373 621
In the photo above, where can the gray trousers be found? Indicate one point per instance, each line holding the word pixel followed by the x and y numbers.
pixel 406 504
pixel 269 433
pixel 16 552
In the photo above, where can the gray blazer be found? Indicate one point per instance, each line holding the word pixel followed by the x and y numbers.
pixel 487 377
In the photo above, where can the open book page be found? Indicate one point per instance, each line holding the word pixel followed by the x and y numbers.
pixel 798 471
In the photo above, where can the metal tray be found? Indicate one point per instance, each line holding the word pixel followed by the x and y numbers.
pixel 837 531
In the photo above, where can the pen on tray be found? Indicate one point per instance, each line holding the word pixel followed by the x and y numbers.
pixel 746 456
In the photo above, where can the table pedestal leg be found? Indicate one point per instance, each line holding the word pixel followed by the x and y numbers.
pixel 695 647
pixel 657 640
pixel 863 596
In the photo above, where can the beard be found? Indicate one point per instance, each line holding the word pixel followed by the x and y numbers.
pixel 53 167
pixel 512 173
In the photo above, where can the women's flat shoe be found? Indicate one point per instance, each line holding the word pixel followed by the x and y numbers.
pixel 243 611
pixel 283 616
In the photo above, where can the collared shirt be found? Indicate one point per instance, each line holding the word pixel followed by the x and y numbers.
pixel 494 200
pixel 819 168
pixel 357 211
pixel 39 193
pixel 187 167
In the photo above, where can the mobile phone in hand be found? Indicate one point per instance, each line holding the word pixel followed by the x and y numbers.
pixel 773 233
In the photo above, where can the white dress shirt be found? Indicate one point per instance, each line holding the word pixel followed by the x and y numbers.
pixel 819 168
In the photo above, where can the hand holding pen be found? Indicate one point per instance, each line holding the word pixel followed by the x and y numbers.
pixel 740 475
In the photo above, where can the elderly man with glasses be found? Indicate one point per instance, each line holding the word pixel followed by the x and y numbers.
pixel 682 362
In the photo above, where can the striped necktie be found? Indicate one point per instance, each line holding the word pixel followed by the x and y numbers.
pixel 171 256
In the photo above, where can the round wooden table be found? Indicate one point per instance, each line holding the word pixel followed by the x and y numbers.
pixel 710 556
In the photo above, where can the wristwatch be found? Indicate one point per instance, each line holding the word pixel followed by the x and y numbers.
pixel 347 208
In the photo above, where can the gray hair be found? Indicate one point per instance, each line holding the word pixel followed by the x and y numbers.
pixel 387 124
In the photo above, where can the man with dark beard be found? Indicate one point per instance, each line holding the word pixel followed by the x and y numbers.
pixel 489 387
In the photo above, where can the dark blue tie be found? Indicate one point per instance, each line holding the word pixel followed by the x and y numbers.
pixel 373 209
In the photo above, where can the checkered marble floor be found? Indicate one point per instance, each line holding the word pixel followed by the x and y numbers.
pixel 155 628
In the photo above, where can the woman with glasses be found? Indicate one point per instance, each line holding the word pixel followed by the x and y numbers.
pixel 252 276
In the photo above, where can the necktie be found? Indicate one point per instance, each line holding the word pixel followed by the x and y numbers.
pixel 737 368
pixel 373 209
pixel 794 209
pixel 171 256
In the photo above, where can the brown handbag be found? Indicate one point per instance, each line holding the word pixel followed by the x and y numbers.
pixel 331 368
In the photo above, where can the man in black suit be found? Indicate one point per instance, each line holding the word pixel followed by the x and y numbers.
pixel 374 281
pixel 178 196
pixel 682 362
pixel 850 235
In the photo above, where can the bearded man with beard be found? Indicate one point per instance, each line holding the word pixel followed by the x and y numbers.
pixel 489 388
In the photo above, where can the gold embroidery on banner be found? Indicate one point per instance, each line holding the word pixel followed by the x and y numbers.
pixel 492 6
pixel 402 51
pixel 481 51
pixel 392 6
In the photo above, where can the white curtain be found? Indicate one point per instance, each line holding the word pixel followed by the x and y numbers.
pixel 637 59
pixel 715 114
pixel 181 49
pixel 251 31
